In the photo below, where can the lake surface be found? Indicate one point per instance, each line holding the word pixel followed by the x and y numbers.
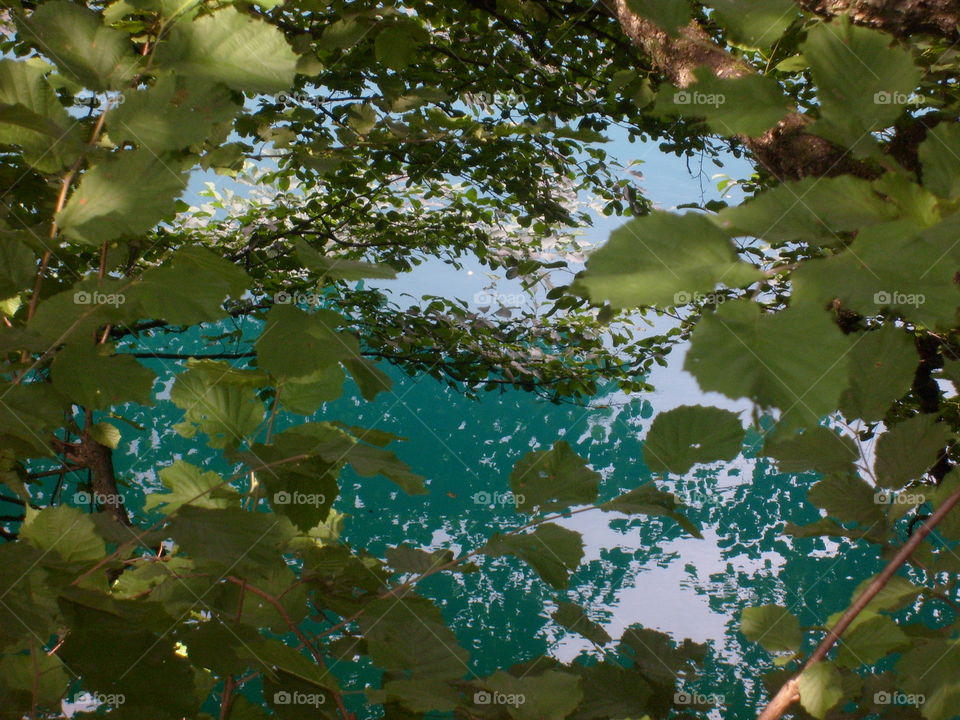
pixel 635 571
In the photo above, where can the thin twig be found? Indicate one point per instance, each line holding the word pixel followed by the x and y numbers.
pixel 789 693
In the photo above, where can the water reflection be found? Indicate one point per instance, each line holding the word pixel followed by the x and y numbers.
pixel 635 570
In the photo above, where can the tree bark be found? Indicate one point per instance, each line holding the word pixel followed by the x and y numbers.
pixel 786 151
pixel 898 17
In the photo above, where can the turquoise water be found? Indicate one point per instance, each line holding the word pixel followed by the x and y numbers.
pixel 635 571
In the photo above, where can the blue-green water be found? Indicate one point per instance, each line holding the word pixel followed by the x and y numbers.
pixel 635 571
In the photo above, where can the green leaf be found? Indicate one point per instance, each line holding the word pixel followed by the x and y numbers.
pixel 848 498
pixel 897 593
pixel 36 679
pixel 33 118
pixel 405 559
pixel 189 484
pixel 658 658
pixel 63 530
pixel 370 461
pixel 240 541
pixel 305 395
pixel 814 209
pixel 938 155
pixel 275 657
pixel 106 434
pixel 663 259
pixel 575 618
pixel 395 47
pixel 670 15
pixel 232 48
pixel 692 434
pixel 29 606
pixel 754 23
pixel 18 265
pixel 420 695
pixel 612 691
pixel 648 500
pixel 864 82
pixel 721 102
pixel 409 637
pixel 552 695
pixel 870 641
pixel 818 448
pixel 227 412
pixel 189 288
pixel 369 378
pixel 174 113
pixel 792 360
pixel 820 688
pixel 126 194
pixel 552 551
pixel 26 412
pixel 887 266
pixel 909 449
pixel 96 379
pixel 85 50
pixel 549 480
pixel 336 268
pixel 297 344
pixel 882 366
pixel 773 626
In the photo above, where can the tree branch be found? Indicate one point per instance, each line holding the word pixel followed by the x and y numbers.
pixel 789 693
